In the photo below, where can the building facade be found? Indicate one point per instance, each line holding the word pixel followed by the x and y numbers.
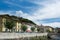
pixel 18 23
pixel 4 18
pixel 49 29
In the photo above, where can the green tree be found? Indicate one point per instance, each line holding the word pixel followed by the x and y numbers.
pixel 23 27
pixel 48 31
pixel 38 29
pixel 9 25
pixel 32 28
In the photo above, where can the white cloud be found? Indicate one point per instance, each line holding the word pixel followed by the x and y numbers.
pixel 50 9
pixel 54 24
pixel 24 15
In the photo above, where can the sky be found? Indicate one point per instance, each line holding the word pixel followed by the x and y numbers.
pixel 46 12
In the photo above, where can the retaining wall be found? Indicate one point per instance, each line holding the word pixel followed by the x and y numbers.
pixel 20 35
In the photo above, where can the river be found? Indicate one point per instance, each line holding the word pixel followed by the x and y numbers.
pixel 55 37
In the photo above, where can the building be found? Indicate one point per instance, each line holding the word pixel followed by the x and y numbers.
pixel 57 30
pixel 49 29
pixel 45 28
pixel 3 19
pixel 41 28
pixel 29 25
pixel 18 22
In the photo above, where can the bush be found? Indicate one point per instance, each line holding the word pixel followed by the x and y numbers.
pixel 32 28
pixel 38 29
pixel 23 27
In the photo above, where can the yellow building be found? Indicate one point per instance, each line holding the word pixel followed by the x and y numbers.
pixel 49 29
pixel 18 22
pixel 3 19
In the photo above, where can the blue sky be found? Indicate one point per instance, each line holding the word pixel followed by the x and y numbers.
pixel 46 12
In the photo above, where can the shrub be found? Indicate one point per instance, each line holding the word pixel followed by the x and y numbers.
pixel 32 28
pixel 23 27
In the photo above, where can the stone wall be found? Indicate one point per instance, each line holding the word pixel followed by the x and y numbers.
pixel 20 35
